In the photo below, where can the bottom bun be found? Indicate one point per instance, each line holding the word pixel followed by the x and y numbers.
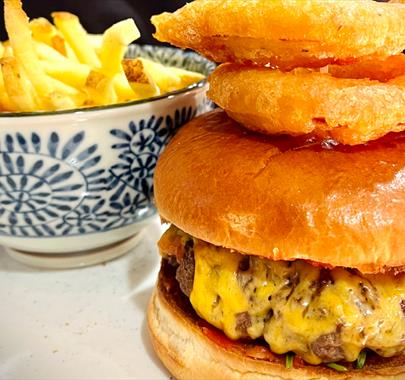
pixel 192 349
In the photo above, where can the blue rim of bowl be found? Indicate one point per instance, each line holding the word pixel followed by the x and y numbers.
pixel 167 95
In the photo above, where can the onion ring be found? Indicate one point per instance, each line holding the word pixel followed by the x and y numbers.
pixel 286 33
pixel 350 111
pixel 381 70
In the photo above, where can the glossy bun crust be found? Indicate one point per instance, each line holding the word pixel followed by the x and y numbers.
pixel 286 198
pixel 191 349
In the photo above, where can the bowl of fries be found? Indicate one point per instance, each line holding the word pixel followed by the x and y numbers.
pixel 79 141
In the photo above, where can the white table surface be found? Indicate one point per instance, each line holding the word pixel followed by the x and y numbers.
pixel 84 323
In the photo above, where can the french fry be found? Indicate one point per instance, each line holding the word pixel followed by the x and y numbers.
pixel 100 89
pixel 71 28
pixel 5 103
pixel 187 78
pixel 141 82
pixel 2 48
pixel 21 41
pixel 62 102
pixel 8 51
pixel 43 31
pixel 68 72
pixel 23 47
pixel 58 43
pixel 64 88
pixel 67 97
pixel 96 41
pixel 18 87
pixel 123 89
pixel 114 45
pixel 47 53
pixel 165 79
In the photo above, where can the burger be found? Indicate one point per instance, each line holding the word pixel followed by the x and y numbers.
pixel 284 258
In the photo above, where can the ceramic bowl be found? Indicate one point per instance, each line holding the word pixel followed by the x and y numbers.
pixel 77 185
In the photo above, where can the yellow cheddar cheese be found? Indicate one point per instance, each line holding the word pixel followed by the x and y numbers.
pixel 323 315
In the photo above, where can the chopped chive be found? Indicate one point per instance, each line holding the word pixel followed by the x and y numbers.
pixel 361 360
pixel 337 367
pixel 289 360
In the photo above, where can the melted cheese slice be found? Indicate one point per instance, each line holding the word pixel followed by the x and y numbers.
pixel 295 305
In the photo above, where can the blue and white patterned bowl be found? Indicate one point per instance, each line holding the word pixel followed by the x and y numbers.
pixel 79 180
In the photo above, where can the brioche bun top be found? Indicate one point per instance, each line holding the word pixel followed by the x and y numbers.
pixel 286 198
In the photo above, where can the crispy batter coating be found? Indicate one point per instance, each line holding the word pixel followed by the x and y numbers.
pixel 351 111
pixel 381 70
pixel 286 33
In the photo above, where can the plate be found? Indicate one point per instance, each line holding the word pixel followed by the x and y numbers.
pixel 86 323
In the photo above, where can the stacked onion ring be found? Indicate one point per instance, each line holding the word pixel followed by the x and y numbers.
pixel 331 68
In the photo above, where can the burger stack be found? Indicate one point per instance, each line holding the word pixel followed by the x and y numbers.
pixel 285 255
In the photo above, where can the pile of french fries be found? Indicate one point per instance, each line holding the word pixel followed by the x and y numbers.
pixel 49 67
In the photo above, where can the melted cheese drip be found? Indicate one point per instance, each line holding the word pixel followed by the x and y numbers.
pixel 288 306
